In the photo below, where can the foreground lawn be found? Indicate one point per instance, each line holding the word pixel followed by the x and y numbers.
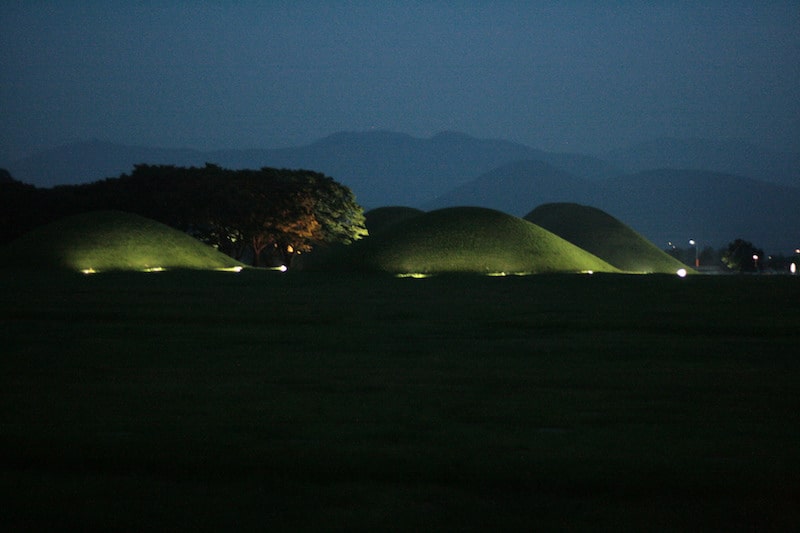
pixel 260 401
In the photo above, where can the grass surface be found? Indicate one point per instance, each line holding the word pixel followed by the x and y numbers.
pixel 604 236
pixel 466 239
pixel 110 240
pixel 186 401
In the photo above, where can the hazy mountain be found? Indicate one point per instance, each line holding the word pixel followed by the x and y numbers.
pixel 382 168
pixel 663 205
pixel 94 160
pixel 732 157
pixel 712 208
pixel 514 187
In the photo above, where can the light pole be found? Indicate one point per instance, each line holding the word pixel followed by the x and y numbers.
pixel 693 243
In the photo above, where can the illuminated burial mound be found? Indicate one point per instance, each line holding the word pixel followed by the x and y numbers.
pixel 112 240
pixel 604 236
pixel 467 239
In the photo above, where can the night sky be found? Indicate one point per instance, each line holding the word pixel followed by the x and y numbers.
pixel 561 76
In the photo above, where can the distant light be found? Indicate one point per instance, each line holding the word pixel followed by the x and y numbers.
pixel 793 268
pixel 154 269
pixel 496 274
pixel 755 257
pixel 89 271
pixel 691 241
pixel 415 275
pixel 282 268
pixel 681 272
pixel 590 272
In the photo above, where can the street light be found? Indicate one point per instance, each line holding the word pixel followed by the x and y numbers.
pixel 755 261
pixel 696 256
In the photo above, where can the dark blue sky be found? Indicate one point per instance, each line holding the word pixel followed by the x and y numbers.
pixel 564 76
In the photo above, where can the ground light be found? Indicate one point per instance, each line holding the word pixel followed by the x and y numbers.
pixel 415 275
pixel 681 272
pixel 230 269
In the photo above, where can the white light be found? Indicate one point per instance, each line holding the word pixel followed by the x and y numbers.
pixel 681 272
pixel 691 241
pixel 282 268
pixel 793 268
pixel 89 271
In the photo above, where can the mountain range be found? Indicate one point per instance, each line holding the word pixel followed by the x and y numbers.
pixel 667 190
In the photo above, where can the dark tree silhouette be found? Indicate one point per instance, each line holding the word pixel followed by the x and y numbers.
pixel 743 256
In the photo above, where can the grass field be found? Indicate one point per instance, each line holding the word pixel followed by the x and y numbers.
pixel 190 401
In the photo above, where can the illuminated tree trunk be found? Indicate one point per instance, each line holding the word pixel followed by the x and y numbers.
pixel 259 242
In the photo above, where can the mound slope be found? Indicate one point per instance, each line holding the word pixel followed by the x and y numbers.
pixel 467 239
pixel 381 218
pixel 110 240
pixel 603 235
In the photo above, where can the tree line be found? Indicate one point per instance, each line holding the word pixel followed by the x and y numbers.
pixel 252 215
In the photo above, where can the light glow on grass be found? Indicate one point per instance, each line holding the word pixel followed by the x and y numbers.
pixel 230 269
pixel 590 272
pixel 415 275
pixel 681 272
pixel 88 271
pixel 154 269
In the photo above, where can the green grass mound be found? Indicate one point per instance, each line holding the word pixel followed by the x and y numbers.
pixel 604 236
pixel 111 240
pixel 383 218
pixel 469 240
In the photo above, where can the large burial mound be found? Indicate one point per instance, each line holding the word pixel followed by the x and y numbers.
pixel 604 236
pixel 111 240
pixel 465 239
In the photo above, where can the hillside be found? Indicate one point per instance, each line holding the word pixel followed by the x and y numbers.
pixel 513 188
pixel 381 167
pixel 465 239
pixel 711 208
pixel 729 157
pixel 662 205
pixel 604 236
pixel 110 240
pixel 383 218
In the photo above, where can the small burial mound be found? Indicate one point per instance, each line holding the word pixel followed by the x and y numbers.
pixel 110 240
pixel 604 236
pixel 465 239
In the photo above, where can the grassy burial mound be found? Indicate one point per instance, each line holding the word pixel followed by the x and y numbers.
pixel 470 240
pixel 604 236
pixel 380 219
pixel 111 240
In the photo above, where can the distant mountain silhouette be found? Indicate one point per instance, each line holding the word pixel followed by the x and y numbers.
pixel 730 192
pixel 513 187
pixel 712 208
pixel 731 157
pixel 381 167
pixel 663 205
pixel 89 161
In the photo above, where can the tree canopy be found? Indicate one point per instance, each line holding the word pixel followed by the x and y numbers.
pixel 742 256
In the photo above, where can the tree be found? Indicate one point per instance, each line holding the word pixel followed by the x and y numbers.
pixel 742 256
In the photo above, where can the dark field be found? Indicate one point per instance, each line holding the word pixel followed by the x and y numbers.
pixel 261 401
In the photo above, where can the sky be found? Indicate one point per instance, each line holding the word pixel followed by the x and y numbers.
pixel 570 76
